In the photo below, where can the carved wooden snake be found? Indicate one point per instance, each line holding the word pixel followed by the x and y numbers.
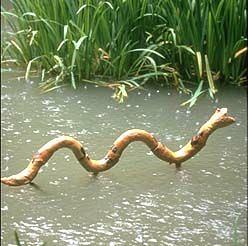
pixel 219 119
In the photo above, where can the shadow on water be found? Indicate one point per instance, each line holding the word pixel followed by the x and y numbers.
pixel 37 187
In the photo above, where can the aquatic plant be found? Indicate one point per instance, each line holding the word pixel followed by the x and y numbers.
pixel 18 241
pixel 235 234
pixel 207 41
pixel 123 44
pixel 84 41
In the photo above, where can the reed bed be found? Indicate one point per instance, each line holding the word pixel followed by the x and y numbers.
pixel 124 44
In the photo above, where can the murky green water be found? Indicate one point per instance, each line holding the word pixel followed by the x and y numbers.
pixel 142 200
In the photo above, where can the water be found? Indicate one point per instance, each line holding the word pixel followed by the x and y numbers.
pixel 142 200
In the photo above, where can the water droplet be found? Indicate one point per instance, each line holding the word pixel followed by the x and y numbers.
pixel 152 240
pixel 5 208
pixel 27 120
pixel 161 220
pixel 115 214
pixel 125 203
pixel 139 239
pixel 54 183
pixel 149 153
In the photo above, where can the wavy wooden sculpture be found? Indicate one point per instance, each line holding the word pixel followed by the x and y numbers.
pixel 219 119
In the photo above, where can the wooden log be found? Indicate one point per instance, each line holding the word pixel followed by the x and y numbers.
pixel 219 119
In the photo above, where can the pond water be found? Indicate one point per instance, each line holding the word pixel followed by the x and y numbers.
pixel 142 200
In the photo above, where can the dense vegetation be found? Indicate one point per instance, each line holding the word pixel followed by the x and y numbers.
pixel 124 43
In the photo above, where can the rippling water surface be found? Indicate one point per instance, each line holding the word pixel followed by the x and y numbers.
pixel 142 200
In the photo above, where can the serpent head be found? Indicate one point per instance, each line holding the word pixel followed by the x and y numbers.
pixel 221 118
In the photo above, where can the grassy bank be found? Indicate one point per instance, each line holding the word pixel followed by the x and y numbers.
pixel 125 44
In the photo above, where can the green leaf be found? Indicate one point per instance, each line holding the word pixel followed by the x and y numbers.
pixel 81 8
pixel 10 14
pixel 188 49
pixel 73 59
pixel 148 51
pixel 17 238
pixel 199 63
pixel 65 31
pixel 19 49
pixel 29 14
pixel 84 6
pixel 209 76
pixel 29 67
pixel 73 81
pixel 153 63
pixel 61 44
pixel 32 38
pixel 197 93
pixel 52 88
pixel 79 42
pixel 59 60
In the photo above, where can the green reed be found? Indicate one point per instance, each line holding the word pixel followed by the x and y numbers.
pixel 207 41
pixel 123 43
pixel 81 41
pixel 18 241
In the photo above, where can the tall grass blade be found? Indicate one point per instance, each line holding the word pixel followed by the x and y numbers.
pixel 157 40
pixel 197 93
pixel 29 67
pixel 240 52
pixel 73 81
pixel 199 63
pixel 148 51
pixel 210 78
pixel 18 242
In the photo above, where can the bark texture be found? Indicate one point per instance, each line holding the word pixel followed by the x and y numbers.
pixel 219 119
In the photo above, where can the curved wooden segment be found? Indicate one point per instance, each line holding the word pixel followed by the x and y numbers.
pixel 219 119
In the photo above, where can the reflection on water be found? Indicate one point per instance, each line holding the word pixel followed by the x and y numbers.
pixel 141 201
